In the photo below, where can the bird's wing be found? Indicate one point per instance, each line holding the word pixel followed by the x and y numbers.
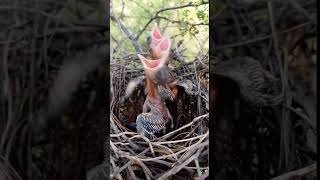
pixel 132 85
pixel 165 93
pixel 187 85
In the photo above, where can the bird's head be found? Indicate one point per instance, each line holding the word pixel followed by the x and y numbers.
pixel 155 37
pixel 159 45
pixel 160 49
pixel 152 66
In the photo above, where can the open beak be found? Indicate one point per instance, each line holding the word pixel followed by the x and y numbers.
pixel 155 36
pixel 152 66
pixel 162 49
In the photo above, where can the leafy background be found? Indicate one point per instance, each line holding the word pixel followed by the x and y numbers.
pixel 188 24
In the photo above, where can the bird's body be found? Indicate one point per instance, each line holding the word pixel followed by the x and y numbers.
pixel 155 114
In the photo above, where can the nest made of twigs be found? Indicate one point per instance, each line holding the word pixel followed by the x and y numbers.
pixel 181 153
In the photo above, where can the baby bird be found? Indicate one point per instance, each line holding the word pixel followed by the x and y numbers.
pixel 161 85
pixel 155 114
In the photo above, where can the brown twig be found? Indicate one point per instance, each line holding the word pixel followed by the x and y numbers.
pixel 163 10
pixel 298 173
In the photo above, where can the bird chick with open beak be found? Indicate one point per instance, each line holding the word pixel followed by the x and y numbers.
pixel 155 113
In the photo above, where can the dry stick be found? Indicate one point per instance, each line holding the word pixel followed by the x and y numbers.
pixel 179 22
pixel 124 136
pixel 123 133
pixel 150 145
pixel 114 148
pixel 155 143
pixel 146 170
pixel 205 175
pixel 112 94
pixel 131 172
pixel 235 20
pixel 195 145
pixel 178 141
pixel 298 173
pixel 176 169
pixel 198 97
pixel 113 126
pixel 284 123
pixel 32 91
pixel 195 168
pixel 186 156
pixel 169 150
pixel 118 151
pixel 142 7
pixel 121 169
pixel 169 164
pixel 131 160
pixel 166 9
pixel 163 162
pixel 302 115
pixel 143 152
pixel 179 57
pixel 198 167
pixel 261 38
pixel 48 15
pixel 6 165
pixel 21 141
pixel 302 10
pixel 286 113
pixel 134 41
pixel 246 22
pixel 183 127
pixel 70 29
pixel 6 90
pixel 45 48
pixel 12 137
pixel 115 168
pixel 189 153
pixel 29 10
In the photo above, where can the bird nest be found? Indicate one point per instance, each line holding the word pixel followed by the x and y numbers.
pixel 182 152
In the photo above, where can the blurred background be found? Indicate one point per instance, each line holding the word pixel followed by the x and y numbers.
pixel 52 88
pixel 263 76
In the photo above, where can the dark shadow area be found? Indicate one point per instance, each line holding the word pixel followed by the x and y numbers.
pixel 263 89
pixel 54 89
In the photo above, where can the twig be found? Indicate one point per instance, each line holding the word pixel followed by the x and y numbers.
pixel 144 167
pixel 122 168
pixel 30 10
pixel 285 123
pixel 298 173
pixel 261 38
pixel 302 10
pixel 195 145
pixel 6 167
pixel 183 127
pixel 205 175
pixel 176 169
pixel 6 91
pixel 166 9
pixel 131 172
pixel 134 41
pixel 302 115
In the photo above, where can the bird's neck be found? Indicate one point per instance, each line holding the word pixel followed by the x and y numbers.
pixel 152 89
